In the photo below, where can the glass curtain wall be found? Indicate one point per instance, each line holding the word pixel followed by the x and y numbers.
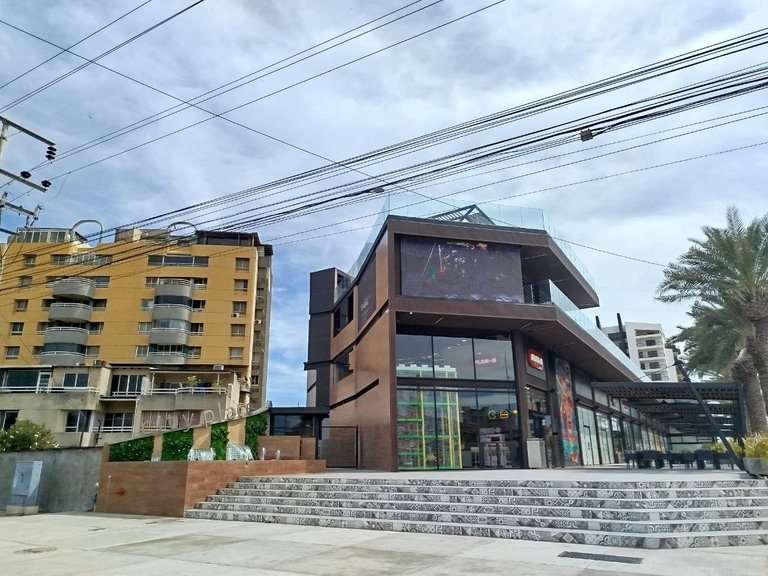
pixel 607 453
pixel 588 436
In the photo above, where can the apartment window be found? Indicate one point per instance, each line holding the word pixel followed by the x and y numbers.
pixel 241 285
pixel 642 365
pixel 196 328
pixel 83 258
pixel 76 380
pixel 656 377
pixel 118 422
pixel 43 378
pixel 29 259
pixel 8 418
pixel 260 293
pixel 25 281
pixel 42 327
pixel 96 327
pixel 235 353
pixel 200 283
pixel 145 327
pixel 242 263
pixel 11 352
pixel 20 305
pixel 100 304
pixel 194 352
pixel 147 303
pixel 151 281
pixel 46 304
pixel 239 307
pixel 77 421
pixel 237 330
pixel 37 351
pixel 653 353
pixel 198 305
pixel 126 385
pixel 17 328
pixel 177 260
pixel 100 281
pixel 142 351
pixel 653 365
pixel 92 350
pixel 650 342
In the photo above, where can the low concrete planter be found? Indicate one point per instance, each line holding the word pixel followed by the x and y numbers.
pixel 756 466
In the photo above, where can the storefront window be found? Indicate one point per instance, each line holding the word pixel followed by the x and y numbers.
pixel 493 360
pixel 607 455
pixel 414 356
pixel 453 358
pixel 588 436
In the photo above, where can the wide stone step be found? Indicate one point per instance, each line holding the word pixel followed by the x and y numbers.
pixel 634 499
pixel 388 481
pixel 686 512
pixel 551 534
pixel 629 493
pixel 500 519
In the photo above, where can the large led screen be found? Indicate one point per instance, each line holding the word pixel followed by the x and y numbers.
pixel 460 270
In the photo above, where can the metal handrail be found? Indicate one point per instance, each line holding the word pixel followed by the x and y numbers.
pixel 71 305
pixel 74 280
pixel 67 329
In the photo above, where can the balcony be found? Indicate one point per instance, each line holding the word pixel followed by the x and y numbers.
pixel 167 358
pixel 66 335
pixel 60 358
pixel 81 288
pixel 169 336
pixel 171 312
pixel 70 312
pixel 174 287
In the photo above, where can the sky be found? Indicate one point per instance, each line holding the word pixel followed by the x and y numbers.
pixel 362 95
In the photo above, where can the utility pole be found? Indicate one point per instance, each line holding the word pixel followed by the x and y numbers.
pixel 23 177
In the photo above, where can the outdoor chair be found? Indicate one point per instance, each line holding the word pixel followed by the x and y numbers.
pixel 630 458
pixel 704 456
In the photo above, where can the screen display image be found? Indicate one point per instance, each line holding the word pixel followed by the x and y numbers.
pixel 460 270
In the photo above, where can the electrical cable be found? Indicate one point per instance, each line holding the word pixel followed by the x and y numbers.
pixel 68 48
pixel 97 58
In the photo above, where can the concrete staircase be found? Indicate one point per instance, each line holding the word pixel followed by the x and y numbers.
pixel 655 514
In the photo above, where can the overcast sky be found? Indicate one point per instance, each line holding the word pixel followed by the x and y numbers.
pixel 504 56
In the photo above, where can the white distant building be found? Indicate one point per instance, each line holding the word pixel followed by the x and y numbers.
pixel 644 343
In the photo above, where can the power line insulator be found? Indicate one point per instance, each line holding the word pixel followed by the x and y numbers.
pixel 25 174
pixel 50 153
pixel 45 183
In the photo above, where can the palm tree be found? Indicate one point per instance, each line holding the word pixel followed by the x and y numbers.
pixel 730 265
pixel 717 345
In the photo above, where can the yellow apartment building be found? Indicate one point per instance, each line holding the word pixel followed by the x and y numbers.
pixel 152 330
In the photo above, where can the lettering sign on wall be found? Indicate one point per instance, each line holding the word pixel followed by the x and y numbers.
pixel 534 363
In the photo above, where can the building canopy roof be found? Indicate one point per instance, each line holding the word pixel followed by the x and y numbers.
pixel 675 404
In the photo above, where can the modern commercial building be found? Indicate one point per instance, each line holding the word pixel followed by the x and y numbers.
pixel 153 330
pixel 646 346
pixel 458 341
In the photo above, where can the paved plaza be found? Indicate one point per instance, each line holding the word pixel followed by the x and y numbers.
pixel 80 544
pixel 100 544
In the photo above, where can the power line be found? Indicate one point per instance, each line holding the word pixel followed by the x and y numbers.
pixel 99 57
pixel 283 89
pixel 68 48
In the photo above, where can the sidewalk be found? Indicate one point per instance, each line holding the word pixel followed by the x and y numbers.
pixel 99 544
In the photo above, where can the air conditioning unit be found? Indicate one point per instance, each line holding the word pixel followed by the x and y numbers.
pixel 235 314
pixel 218 367
pixel 259 322
pixel 80 364
pixel 99 363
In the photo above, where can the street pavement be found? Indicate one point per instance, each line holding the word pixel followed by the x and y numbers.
pixel 88 544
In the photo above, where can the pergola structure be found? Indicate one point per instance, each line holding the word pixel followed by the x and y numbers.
pixel 713 409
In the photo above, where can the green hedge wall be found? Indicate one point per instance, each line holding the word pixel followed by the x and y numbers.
pixel 255 426
pixel 219 440
pixel 136 450
pixel 176 445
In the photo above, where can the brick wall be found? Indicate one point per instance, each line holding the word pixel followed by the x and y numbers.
pixel 169 488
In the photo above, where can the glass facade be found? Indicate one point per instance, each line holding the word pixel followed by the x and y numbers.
pixel 454 428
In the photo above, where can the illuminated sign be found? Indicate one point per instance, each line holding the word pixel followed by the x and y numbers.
pixel 535 359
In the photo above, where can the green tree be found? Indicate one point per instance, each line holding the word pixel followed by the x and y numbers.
pixel 27 435
pixel 728 269
pixel 717 345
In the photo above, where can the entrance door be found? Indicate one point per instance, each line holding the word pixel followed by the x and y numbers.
pixel 498 431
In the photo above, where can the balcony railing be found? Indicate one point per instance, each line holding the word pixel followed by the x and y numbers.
pixel 42 389
pixel 574 313
pixel 115 429
pixel 188 390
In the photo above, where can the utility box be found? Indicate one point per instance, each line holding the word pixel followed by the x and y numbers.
pixel 26 481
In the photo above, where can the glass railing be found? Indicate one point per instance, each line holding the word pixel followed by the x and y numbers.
pixel 413 206
pixel 561 301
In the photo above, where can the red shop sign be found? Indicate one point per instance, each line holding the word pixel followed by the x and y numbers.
pixel 535 359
